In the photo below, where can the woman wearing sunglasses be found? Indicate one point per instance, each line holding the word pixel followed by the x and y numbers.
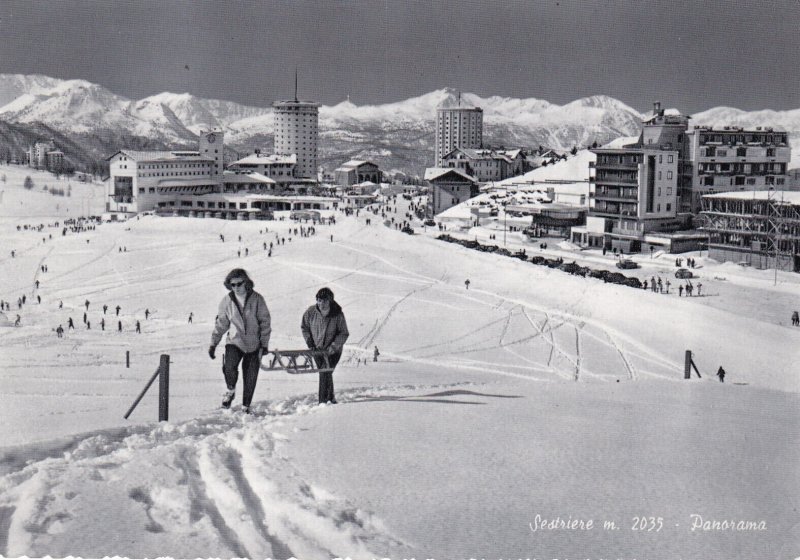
pixel 244 315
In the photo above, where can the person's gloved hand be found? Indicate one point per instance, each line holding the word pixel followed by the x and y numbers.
pixel 212 352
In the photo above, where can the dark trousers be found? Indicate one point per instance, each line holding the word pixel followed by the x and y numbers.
pixel 250 367
pixel 326 379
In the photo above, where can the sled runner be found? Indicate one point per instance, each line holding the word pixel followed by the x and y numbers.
pixel 296 361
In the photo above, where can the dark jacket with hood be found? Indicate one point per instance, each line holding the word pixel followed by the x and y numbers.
pixel 325 333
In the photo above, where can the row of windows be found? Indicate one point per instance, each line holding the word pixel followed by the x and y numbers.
pixel 743 138
pixel 713 151
pixel 173 174
pixel 740 181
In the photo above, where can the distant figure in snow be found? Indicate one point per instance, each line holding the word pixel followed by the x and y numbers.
pixel 119 326
pixel 146 314
pixel 60 331
pixel 86 303
pixel 103 323
pixel 680 290
pixel 17 321
pixel 721 374
pixel 138 327
pixel 466 283
pixel 105 308
pixel 191 314
pixel 84 317
pixel 795 318
pixel 38 298
pixel 375 354
pixel 37 284
pixel 244 316
pixel 699 287
pixel 118 308
pixel 88 325
pixel 70 324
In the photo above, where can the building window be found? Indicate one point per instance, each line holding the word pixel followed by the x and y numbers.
pixel 669 174
pixel 669 207
pixel 669 159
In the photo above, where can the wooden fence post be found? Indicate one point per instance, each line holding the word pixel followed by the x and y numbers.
pixel 163 389
pixel 687 366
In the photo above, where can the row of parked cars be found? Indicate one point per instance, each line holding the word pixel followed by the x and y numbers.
pixel 570 268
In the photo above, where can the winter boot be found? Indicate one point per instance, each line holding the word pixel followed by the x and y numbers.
pixel 227 398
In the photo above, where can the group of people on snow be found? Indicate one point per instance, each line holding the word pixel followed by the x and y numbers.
pixel 243 314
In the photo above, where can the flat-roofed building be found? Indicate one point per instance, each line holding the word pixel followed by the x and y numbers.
pixel 139 179
pixel 457 127
pixel 730 159
pixel 756 228
pixel 297 132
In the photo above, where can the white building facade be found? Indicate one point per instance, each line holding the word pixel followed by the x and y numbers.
pixel 457 127
pixel 297 132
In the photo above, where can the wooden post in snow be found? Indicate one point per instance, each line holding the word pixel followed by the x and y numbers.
pixel 163 389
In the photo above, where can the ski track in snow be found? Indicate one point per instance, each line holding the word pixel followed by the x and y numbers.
pixel 228 470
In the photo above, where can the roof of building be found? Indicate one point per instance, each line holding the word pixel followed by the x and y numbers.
pixel 176 182
pixel 261 159
pixel 234 178
pixel 138 155
pixel 433 173
pixel 788 197
pixel 353 164
pixel 295 103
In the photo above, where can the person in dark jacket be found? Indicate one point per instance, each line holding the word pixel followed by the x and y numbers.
pixel 244 315
pixel 325 329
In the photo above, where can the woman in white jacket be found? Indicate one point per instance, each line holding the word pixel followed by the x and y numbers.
pixel 244 315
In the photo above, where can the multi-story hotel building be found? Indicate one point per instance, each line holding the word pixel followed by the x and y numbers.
pixel 297 132
pixel 457 127
pixel 735 159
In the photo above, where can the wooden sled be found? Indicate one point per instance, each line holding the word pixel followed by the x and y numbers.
pixel 296 361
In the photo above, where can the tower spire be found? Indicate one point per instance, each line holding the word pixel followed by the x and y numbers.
pixel 295 85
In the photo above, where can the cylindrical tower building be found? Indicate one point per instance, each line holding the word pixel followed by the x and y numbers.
pixel 458 127
pixel 296 132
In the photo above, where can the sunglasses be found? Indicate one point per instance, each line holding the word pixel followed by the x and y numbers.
pixel 237 284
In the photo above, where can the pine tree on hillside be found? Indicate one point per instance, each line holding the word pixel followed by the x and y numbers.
pixel 28 184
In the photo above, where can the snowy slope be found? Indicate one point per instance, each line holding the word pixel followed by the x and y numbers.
pixel 532 393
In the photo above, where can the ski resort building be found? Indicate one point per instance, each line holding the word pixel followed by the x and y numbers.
pixel 756 228
pixel 194 183
pixel 734 159
pixel 449 187
pixel 655 186
pixel 357 171
pixel 483 164
pixel 45 155
pixel 457 127
pixel 279 168
pixel 297 132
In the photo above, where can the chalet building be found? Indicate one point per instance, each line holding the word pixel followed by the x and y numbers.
pixel 357 171
pixel 279 168
pixel 483 164
pixel 449 187
pixel 756 228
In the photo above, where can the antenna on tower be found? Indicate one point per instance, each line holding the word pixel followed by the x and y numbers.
pixel 295 85
pixel 459 99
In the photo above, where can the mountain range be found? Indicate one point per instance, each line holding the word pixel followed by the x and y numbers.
pixel 89 123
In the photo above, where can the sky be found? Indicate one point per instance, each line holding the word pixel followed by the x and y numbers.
pixel 687 54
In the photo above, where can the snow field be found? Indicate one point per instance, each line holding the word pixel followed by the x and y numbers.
pixel 532 392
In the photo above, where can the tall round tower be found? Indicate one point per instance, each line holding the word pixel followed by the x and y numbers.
pixel 296 132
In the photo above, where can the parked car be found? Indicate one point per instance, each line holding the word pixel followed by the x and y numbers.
pixel 626 263
pixel 430 222
pixel 683 273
